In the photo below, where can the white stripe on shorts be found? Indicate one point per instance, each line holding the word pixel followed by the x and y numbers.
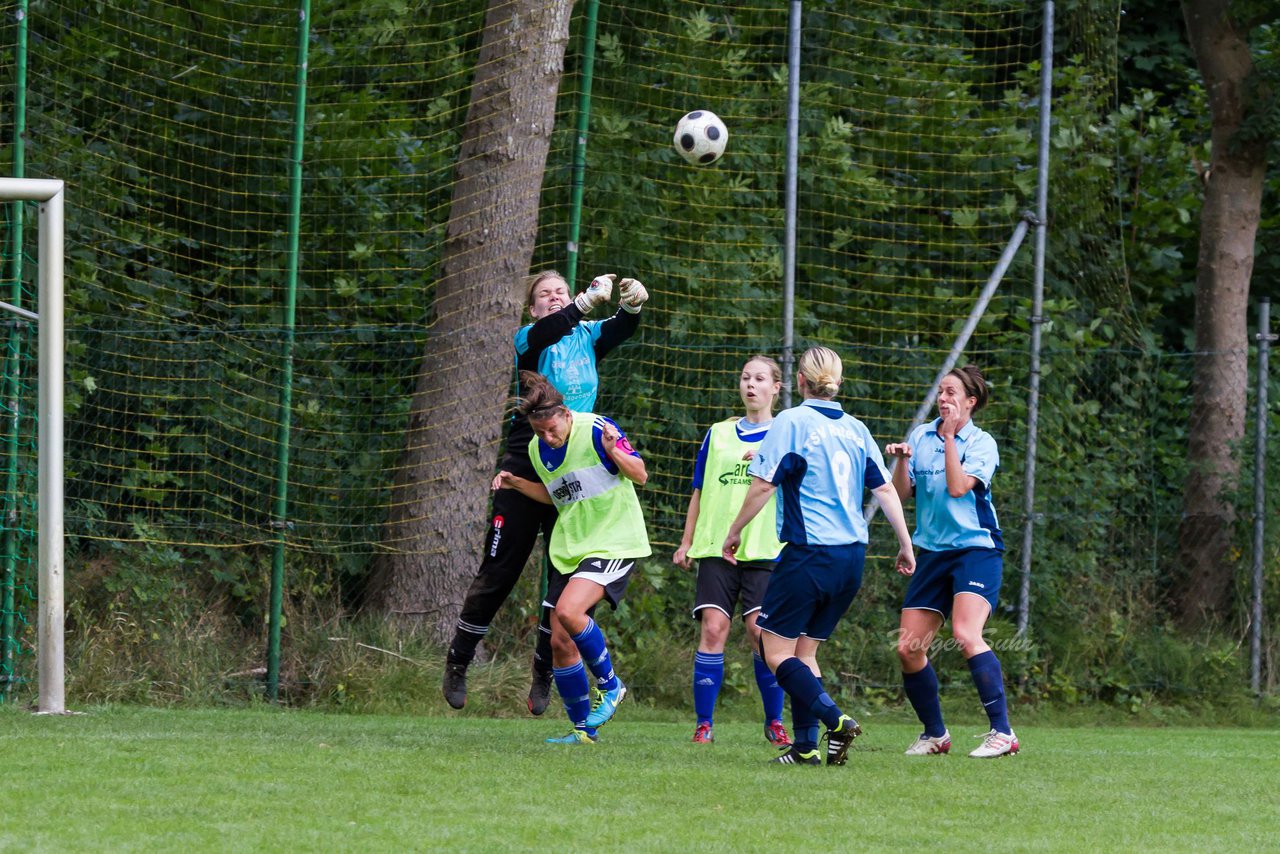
pixel 609 571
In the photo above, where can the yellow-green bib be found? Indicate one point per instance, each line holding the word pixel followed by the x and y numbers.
pixel 724 485
pixel 599 514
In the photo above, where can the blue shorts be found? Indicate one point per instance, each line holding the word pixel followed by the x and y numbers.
pixel 941 576
pixel 810 589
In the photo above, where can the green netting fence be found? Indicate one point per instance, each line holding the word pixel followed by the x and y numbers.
pixel 172 124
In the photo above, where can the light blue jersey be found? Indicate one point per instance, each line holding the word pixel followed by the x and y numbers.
pixel 943 522
pixel 820 459
pixel 570 363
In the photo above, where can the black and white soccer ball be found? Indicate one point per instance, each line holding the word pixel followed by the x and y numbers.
pixel 701 137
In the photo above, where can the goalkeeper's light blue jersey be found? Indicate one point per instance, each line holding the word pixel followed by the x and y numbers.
pixel 943 522
pixel 570 363
pixel 820 458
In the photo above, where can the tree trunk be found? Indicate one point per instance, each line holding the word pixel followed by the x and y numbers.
pixel 441 488
pixel 1228 228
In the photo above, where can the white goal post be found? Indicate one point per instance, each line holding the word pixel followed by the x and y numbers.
pixel 50 634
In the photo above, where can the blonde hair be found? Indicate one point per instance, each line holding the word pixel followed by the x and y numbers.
pixel 822 371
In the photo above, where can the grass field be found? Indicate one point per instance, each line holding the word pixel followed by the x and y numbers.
pixel 159 780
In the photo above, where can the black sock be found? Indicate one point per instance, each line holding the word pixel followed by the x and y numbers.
pixel 463 647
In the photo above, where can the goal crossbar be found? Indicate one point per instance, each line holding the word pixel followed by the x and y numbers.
pixel 50 652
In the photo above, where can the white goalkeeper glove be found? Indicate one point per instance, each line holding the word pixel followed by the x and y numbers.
pixel 631 295
pixel 600 289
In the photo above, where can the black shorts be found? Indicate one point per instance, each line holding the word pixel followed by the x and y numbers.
pixel 721 585
pixel 612 575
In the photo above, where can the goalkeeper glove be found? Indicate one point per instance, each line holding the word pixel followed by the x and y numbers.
pixel 632 295
pixel 600 289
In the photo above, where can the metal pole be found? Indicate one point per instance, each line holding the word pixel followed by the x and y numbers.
pixel 280 521
pixel 50 629
pixel 49 445
pixel 789 234
pixel 579 168
pixel 962 341
pixel 1037 318
pixel 1259 496
pixel 13 358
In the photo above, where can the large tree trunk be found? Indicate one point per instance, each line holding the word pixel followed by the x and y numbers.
pixel 1228 228
pixel 442 485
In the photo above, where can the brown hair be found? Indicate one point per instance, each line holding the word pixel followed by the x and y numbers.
pixel 822 371
pixel 540 398
pixel 975 384
pixel 537 279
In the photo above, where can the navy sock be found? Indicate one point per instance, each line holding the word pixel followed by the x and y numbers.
pixel 590 644
pixel 575 692
pixel 922 691
pixel 798 680
pixel 804 728
pixel 771 693
pixel 987 676
pixel 708 674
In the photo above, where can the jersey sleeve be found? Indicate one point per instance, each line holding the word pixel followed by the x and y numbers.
pixel 981 458
pixel 876 475
pixel 522 340
pixel 700 465
pixel 546 332
pixel 613 331
pixel 597 440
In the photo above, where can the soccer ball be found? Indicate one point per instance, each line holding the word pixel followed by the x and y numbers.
pixel 701 137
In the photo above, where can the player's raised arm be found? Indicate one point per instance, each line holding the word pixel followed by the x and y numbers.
pixel 626 320
pixel 900 451
pixel 630 464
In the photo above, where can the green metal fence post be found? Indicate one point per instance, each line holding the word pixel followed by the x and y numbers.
pixel 578 175
pixel 13 364
pixel 281 517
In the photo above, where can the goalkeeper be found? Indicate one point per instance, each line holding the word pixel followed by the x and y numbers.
pixel 566 349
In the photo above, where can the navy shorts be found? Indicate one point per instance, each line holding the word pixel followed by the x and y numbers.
pixel 810 590
pixel 722 586
pixel 612 575
pixel 941 576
